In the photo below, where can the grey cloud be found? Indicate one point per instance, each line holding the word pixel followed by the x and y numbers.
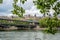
pixel 28 5
pixel 6 6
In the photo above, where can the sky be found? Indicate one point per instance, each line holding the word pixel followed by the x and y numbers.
pixel 6 8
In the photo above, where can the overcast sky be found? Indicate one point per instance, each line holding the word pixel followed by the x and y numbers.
pixel 6 7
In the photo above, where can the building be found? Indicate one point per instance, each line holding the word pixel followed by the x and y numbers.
pixel 31 17
pixel 5 17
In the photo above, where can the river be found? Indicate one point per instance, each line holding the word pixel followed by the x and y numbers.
pixel 28 35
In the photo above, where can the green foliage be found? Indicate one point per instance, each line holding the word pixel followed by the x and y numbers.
pixel 51 30
pixel 43 22
pixel 50 23
pixel 23 1
pixel 58 25
pixel 15 1
pixel 57 9
pixel 44 5
pixel 1 1
pixel 17 9
pixel 13 22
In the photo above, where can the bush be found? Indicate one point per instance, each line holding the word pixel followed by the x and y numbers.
pixel 58 24
pixel 43 22
pixel 50 23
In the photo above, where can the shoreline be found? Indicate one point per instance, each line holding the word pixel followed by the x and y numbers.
pixel 7 29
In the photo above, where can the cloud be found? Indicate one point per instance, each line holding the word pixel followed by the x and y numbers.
pixel 28 5
pixel 4 13
pixel 33 11
pixel 6 6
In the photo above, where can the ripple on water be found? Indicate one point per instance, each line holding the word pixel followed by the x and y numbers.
pixel 22 35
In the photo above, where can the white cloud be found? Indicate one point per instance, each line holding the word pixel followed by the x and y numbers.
pixel 51 11
pixel 5 7
pixel 33 11
pixel 58 0
pixel 28 6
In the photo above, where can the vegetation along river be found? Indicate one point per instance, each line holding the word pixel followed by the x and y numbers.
pixel 28 35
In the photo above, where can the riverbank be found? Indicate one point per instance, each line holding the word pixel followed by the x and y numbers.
pixel 15 28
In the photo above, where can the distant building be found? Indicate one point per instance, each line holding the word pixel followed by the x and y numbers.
pixel 8 17
pixel 5 17
pixel 27 17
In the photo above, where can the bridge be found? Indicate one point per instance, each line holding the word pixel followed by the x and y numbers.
pixel 6 23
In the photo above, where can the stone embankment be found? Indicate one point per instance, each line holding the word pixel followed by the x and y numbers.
pixel 15 28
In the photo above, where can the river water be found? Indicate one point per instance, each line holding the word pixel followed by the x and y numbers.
pixel 28 35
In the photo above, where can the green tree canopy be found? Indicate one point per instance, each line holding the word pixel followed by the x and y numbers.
pixel 43 5
pixel 57 9
pixel 18 10
pixel 1 1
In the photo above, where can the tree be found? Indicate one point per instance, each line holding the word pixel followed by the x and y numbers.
pixel 44 6
pixel 57 9
pixel 18 10
pixel 1 1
